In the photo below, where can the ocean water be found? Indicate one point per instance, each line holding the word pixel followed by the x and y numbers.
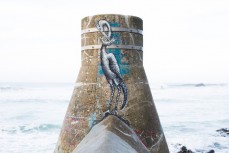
pixel 31 115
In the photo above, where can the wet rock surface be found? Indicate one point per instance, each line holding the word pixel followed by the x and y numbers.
pixel 184 149
pixel 211 151
pixel 223 132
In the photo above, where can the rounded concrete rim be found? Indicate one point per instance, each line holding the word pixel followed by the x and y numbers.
pixel 111 15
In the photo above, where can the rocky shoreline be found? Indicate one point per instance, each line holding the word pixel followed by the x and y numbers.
pixel 224 132
pixel 184 149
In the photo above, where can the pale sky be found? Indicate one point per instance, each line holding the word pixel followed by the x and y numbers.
pixel 184 40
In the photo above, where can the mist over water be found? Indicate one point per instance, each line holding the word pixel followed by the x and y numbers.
pixel 31 115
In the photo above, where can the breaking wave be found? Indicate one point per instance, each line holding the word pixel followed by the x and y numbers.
pixel 31 129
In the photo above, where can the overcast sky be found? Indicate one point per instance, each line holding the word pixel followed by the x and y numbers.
pixel 184 40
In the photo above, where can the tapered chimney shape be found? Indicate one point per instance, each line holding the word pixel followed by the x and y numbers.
pixel 112 81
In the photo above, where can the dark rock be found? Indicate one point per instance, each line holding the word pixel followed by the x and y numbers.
pixel 224 132
pixel 185 150
pixel 200 85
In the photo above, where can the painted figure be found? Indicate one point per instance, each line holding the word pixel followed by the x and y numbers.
pixel 110 67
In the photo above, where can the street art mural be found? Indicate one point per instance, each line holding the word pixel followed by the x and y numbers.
pixel 111 68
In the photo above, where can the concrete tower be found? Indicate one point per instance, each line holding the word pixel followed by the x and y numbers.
pixel 112 81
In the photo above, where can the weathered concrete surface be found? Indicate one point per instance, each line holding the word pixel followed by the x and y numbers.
pixel 92 92
pixel 111 136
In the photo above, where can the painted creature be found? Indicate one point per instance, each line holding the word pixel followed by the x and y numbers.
pixel 110 67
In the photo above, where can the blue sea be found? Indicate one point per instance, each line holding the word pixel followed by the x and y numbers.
pixel 31 115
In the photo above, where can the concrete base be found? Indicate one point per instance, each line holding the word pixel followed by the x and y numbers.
pixel 111 136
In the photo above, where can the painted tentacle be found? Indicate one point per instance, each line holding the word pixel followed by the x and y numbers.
pixel 117 98
pixel 125 93
pixel 112 95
